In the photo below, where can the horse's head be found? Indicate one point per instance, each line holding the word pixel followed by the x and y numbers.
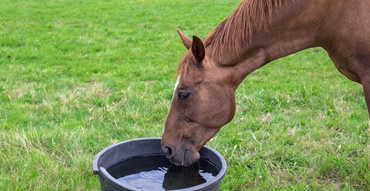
pixel 202 103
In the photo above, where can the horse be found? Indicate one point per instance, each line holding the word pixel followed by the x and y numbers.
pixel 255 33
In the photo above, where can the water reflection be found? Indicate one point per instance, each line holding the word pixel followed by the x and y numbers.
pixel 178 177
pixel 155 173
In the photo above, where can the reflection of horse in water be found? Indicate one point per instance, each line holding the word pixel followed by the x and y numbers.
pixel 178 177
pixel 255 33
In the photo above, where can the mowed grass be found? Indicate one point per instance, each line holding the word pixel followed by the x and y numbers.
pixel 77 76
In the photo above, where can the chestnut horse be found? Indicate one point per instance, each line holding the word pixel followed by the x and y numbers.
pixel 255 33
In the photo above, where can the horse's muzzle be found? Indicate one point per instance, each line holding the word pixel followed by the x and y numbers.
pixel 181 157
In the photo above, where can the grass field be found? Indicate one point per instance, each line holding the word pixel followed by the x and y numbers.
pixel 77 76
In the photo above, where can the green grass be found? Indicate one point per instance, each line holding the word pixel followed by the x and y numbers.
pixel 77 76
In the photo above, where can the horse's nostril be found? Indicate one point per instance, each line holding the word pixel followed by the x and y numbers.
pixel 168 151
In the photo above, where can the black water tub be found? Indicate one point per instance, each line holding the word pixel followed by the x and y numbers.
pixel 145 154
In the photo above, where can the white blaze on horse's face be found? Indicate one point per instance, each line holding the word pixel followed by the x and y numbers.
pixel 177 82
pixel 200 107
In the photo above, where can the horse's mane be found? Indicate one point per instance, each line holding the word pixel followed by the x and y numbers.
pixel 237 30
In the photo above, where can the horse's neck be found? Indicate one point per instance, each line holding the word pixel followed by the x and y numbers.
pixel 290 31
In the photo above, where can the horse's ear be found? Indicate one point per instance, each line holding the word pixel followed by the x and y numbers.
pixel 197 48
pixel 185 40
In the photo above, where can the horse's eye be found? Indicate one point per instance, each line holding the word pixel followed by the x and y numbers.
pixel 183 95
